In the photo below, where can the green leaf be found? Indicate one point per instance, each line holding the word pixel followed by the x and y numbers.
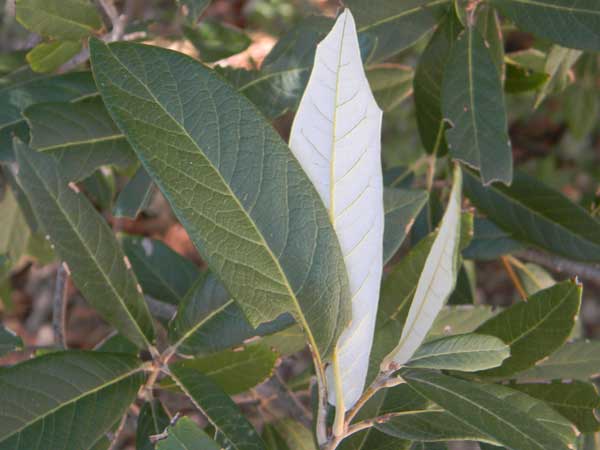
pixel 488 24
pixel 269 265
pixel 292 435
pixel 401 207
pixel 115 343
pixel 570 23
pixel 470 404
pixel 81 136
pixel 534 328
pixel 209 320
pixel 534 278
pixel 135 196
pixel 460 319
pixel 489 241
pixel 532 212
pixel 152 420
pixel 467 353
pixel 60 19
pixel 100 188
pixel 391 84
pixel 428 85
pixel 576 400
pixel 577 360
pixel 11 62
pixel 14 232
pixel 558 67
pixel 521 79
pixel 21 92
pixel 473 104
pixel 86 244
pixel 218 408
pixel 216 40
pixel 49 56
pixel 65 400
pixel 235 371
pixel 186 435
pixel 9 341
pixel 395 25
pixel 163 273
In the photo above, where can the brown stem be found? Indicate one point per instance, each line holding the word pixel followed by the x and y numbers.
pixel 513 277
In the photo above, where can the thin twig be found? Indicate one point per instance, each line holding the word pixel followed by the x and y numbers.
pixel 118 431
pixel 513 277
pixel 59 308
pixel 590 272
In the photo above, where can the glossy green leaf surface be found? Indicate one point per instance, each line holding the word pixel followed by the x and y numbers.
pixel 86 244
pixel 235 371
pixel 401 207
pixel 60 19
pixel 218 408
pixel 534 213
pixel 49 56
pixel 186 435
pixel 9 341
pixel 81 135
pixel 152 420
pixel 473 105
pixel 571 23
pixel 216 40
pixel 467 353
pixel 474 407
pixel 65 400
pixel 534 328
pixel 163 273
pixel 209 173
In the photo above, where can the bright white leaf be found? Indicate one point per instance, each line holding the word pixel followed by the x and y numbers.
pixel 336 136
pixel 436 282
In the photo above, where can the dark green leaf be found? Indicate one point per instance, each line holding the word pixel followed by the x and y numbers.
pixel 520 79
pixel 115 343
pixel 270 265
pixel 570 23
pixel 288 434
pixel 532 212
pixel 163 273
pixel 466 352
pixel 60 19
pixel 65 400
pixel 235 371
pixel 534 328
pixel 99 188
pixel 186 435
pixel 464 292
pixel 489 241
pixel 49 56
pixel 152 420
pixel 472 405
pixel 135 196
pixel 391 84
pixel 577 360
pixel 401 207
pixel 218 408
pixel 395 25
pixel 11 62
pixel 576 400
pixel 460 319
pixel 87 245
pixel 488 24
pixel 81 135
pixel 428 85
pixel 473 104
pixel 9 341
pixel 14 232
pixel 215 40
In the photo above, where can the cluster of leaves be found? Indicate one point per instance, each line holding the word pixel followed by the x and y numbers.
pixel 277 268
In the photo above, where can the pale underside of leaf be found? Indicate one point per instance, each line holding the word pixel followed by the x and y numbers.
pixel 436 282
pixel 336 138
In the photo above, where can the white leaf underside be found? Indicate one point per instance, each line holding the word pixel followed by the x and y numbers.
pixel 336 137
pixel 436 282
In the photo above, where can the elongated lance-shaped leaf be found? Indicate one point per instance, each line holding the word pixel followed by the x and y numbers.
pixel 336 137
pixel 65 400
pixel 234 185
pixel 186 435
pixel 436 282
pixel 86 244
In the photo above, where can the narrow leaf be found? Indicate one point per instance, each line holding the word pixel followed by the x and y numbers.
pixel 86 244
pixel 489 241
pixel 467 353
pixel 186 435
pixel 534 213
pixel 218 408
pixel 270 265
pixel 49 56
pixel 65 400
pixel 473 406
pixel 570 23
pixel 534 328
pixel 340 151
pixel 152 420
pixel 216 40
pixel 436 282
pixel 460 319
pixel 473 104
pixel 135 196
